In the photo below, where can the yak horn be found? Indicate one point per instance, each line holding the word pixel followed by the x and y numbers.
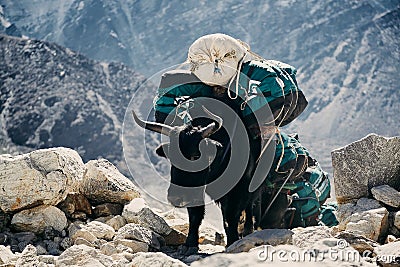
pixel 152 126
pixel 212 127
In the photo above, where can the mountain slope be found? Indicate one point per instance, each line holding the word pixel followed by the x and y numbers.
pixel 51 96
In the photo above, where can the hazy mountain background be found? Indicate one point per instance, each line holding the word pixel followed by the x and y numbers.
pixel 347 54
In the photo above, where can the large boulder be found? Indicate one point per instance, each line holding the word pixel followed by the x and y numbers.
pixel 103 183
pixel 43 176
pixel 371 161
pixel 37 219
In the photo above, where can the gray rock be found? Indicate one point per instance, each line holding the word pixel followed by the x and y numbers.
pixel 304 237
pixel 142 259
pixel 43 176
pixel 28 237
pixel 100 230
pixel 48 259
pixel 372 224
pixel 136 232
pixel 6 255
pixel 363 204
pixel 109 249
pixel 66 243
pixel 264 237
pixel 82 255
pixel 82 241
pixel 77 230
pixel 138 212
pixel 103 183
pixel 364 164
pixel 37 219
pixel 136 246
pixel 41 250
pixel 28 257
pixel 387 195
pixel 388 255
pixel 4 220
pixel 397 220
pixel 116 222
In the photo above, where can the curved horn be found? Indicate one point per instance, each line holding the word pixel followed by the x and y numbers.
pixel 152 126
pixel 212 127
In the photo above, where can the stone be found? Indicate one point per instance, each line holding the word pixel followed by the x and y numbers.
pixel 372 224
pixel 37 219
pixel 397 220
pixel 28 257
pixel 103 183
pixel 108 249
pixel 175 238
pixel 4 220
pixel 363 204
pixel 78 230
pixel 304 237
pixel 387 195
pixel 364 164
pixel 41 250
pixel 390 238
pixel 50 233
pixel 79 215
pixel 138 212
pixel 82 255
pixel 48 259
pixel 66 243
pixel 6 255
pixel 75 202
pixel 107 209
pixel 82 241
pixel 3 238
pixel 52 247
pixel 264 237
pixel 100 230
pixel 116 222
pixel 136 232
pixel 366 218
pixel 28 237
pixel 136 246
pixel 43 176
pixel 389 254
pixel 155 259
pixel 358 242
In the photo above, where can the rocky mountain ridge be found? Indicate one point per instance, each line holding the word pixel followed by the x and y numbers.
pixel 52 96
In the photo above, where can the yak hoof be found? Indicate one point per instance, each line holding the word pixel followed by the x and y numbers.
pixel 187 251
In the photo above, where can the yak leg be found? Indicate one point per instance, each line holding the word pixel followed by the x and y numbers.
pixel 231 220
pixel 196 216
pixel 248 223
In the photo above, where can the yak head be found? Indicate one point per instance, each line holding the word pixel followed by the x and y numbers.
pixel 190 151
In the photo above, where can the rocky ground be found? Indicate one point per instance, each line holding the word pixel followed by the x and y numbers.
pixel 58 211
